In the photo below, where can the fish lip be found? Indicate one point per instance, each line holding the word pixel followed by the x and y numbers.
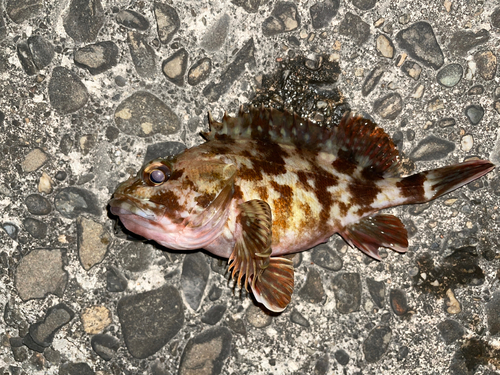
pixel 122 206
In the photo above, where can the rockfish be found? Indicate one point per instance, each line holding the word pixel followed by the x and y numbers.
pixel 269 183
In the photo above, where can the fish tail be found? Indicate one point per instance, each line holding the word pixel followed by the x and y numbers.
pixel 425 186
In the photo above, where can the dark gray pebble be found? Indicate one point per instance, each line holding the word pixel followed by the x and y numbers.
pixel 42 333
pixel 399 303
pixel 496 105
pixel 284 18
pixel 493 315
pixel 411 69
pixel 376 344
pixel 151 319
pixel 84 20
pixel 364 4
pixel 325 257
pixel 132 20
pixel 421 44
pixel 167 21
pixel 35 54
pixel 105 345
pixel 215 344
pixel 135 256
pixel 73 201
pixel 323 12
pixel 66 92
pixel 312 291
pixel 216 35
pixel 120 81
pixel 342 357
pixel 474 113
pixel 245 56
pixel 143 55
pixel 174 67
pixel 98 57
pixel 79 368
pixel 194 278
pixel 389 107
pixel 450 75
pixel 464 40
pixel 11 229
pixel 251 6
pixel 372 79
pixel 37 228
pixel 403 353
pixel 446 122
pixel 450 330
pixel 215 293
pixel 163 149
pixel 377 291
pixel 22 10
pixel 37 204
pixel 199 71
pixel 115 281
pixel 61 175
pixel 486 64
pixel 322 365
pixel 214 314
pixel 297 318
pixel 476 90
pixel 347 288
pixel 237 326
pixel 112 133
pixel 355 28
pixel 143 114
pixel 432 148
pixel 495 18
pixel 66 144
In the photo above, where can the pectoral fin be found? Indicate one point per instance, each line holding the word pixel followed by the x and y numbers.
pixel 271 279
pixel 373 232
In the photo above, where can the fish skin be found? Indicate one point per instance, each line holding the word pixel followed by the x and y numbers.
pixel 316 182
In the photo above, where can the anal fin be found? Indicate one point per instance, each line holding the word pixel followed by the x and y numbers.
pixel 376 231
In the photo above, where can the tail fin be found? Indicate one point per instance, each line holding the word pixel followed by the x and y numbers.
pixel 425 186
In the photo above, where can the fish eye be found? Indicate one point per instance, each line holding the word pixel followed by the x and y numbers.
pixel 156 174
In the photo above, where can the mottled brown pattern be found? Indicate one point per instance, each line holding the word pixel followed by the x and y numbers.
pixel 262 191
pixel 168 199
pixel 413 187
pixel 345 163
pixel 176 174
pixel 249 174
pixel 282 206
pixel 322 181
pixel 204 200
pixel 303 180
pixel 363 192
pixel 237 194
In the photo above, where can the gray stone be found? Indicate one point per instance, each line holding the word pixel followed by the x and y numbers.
pixel 34 160
pixel 476 90
pixel 251 6
pixel 175 66
pixel 297 318
pixel 412 69
pixel 71 202
pixel 495 18
pixel 323 12
pixel 132 20
pixel 364 4
pixel 389 107
pixel 464 40
pixel 421 44
pixel 493 314
pixel 355 28
pixel 372 80
pixel 11 229
pixel 377 291
pixel 35 54
pixel 325 257
pixel 37 204
pixel 194 278
pixel 143 55
pixel 450 330
pixel 432 148
pixel 98 57
pixel 67 93
pixel 474 113
pixel 22 10
pixel 376 344
pixel 115 281
pixel 163 149
pixel 199 71
pixel 206 353
pixel 136 256
pixel 399 303
pixel 284 18
pixel 37 228
pixel 214 314
pixel 150 320
pixel 216 35
pixel 167 20
pixel 312 291
pixel 258 317
pixel 322 366
pixel 105 345
pixel 79 368
pixel 143 114
pixel 450 75
pixel 342 357
pixel 347 288
pixel 84 20
pixel 93 242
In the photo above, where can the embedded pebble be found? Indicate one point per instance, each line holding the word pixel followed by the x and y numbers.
pixel 115 281
pixel 450 75
pixel 206 353
pixel 446 122
pixel 71 202
pixel 105 346
pixel 167 21
pixel 163 149
pixel 467 142
pixel 342 357
pixel 496 105
pixel 11 229
pixel 143 55
pixel 322 365
pixel 67 93
pixel 385 46
pixel 199 71
pixel 251 6
pixel 135 256
pixel 39 273
pixel 37 204
pixel 215 293
pixel 398 300
pixel 194 279
pixel 355 28
pixel 150 320
pixel 98 57
pixel 486 64
pixel 474 113
pixel 377 343
pixel 432 148
pixel 36 228
pixel 495 18
pixel 323 12
pixel 35 54
pixel 463 41
pixel 364 4
pixel 372 80
pixel 377 291
pixel 452 304
pixel 143 114
pixel 347 289
pixel 325 257
pixel 492 314
pixel 95 319
pixel 389 107
pixel 420 42
pixel 214 314
pixel 132 20
pixel 450 330
pixel 476 90
pixel 297 318
pixel 174 67
pixel 34 160
pixel 84 20
pixel 435 104
pixel 22 10
pixel 216 35
pixel 257 317
pixel 312 291
pixel 411 69
pixel 80 368
pixel 45 184
pixel 284 18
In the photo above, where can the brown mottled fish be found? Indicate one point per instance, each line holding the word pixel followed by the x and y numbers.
pixel 269 183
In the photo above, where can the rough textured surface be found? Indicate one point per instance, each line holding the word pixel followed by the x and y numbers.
pixel 84 102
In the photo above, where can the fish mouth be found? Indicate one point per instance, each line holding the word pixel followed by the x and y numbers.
pixel 124 206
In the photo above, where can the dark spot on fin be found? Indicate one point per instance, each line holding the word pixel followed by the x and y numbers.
pixel 373 232
pixel 369 145
pixel 274 287
pixel 252 250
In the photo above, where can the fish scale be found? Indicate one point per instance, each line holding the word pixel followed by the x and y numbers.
pixel 268 183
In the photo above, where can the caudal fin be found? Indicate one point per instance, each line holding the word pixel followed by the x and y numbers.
pixel 425 186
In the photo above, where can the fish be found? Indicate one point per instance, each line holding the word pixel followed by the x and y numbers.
pixel 268 183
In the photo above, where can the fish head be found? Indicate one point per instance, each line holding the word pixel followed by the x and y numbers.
pixel 180 202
